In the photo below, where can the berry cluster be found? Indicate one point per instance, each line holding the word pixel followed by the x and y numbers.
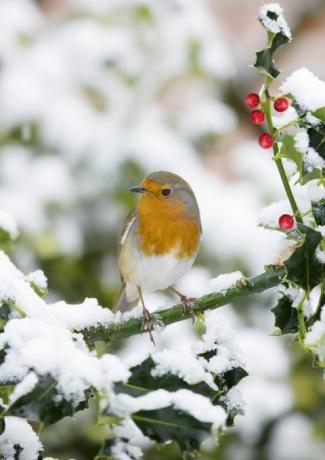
pixel 257 116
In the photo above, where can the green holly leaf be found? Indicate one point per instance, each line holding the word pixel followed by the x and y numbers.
pixel 264 58
pixel 142 381
pixel 288 150
pixel 320 114
pixel 318 209
pixel 168 424
pixel 45 404
pixel 286 318
pixel 303 267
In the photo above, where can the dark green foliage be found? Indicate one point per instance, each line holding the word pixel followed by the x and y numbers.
pixel 303 268
pixel 264 59
pixel 44 404
pixel 286 318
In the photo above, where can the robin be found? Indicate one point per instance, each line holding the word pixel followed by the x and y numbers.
pixel 159 242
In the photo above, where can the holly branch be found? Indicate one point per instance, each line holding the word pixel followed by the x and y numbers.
pixel 243 288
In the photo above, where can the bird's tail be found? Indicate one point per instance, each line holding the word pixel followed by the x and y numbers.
pixel 123 302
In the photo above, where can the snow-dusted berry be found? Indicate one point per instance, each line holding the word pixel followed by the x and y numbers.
pixel 265 141
pixel 252 100
pixel 257 117
pixel 286 222
pixel 281 104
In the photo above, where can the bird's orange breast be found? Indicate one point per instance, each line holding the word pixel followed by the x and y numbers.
pixel 164 226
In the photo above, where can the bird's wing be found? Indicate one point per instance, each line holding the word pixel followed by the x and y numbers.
pixel 123 303
pixel 129 222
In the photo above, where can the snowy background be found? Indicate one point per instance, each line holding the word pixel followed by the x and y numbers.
pixel 94 94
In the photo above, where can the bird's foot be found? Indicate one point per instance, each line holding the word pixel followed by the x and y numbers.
pixel 147 323
pixel 188 303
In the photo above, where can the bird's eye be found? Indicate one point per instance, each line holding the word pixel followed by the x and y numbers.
pixel 166 192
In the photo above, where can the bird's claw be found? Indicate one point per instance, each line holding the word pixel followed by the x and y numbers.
pixel 147 324
pixel 187 303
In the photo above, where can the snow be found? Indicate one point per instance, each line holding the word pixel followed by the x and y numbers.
pixel 183 364
pixel 301 140
pixel 289 116
pixel 313 160
pixel 274 25
pixel 234 400
pixel 38 279
pixel 269 215
pixel 8 224
pixel 321 229
pixel 19 433
pixel 306 88
pixel 225 281
pixel 315 193
pixel 24 387
pixel 196 405
pixel 315 337
pixel 32 344
pixel 320 255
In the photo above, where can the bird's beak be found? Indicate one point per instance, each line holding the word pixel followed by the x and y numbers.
pixel 138 189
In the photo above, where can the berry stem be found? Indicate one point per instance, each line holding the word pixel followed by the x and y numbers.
pixel 278 161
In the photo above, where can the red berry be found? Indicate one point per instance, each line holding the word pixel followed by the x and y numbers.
pixel 286 222
pixel 265 141
pixel 257 117
pixel 281 104
pixel 252 100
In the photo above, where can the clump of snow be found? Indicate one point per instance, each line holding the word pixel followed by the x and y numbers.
pixel 234 400
pixel 24 387
pixel 314 192
pixel 8 224
pixel 19 433
pixel 184 364
pixel 301 140
pixel 313 160
pixel 315 338
pixel 312 120
pixel 225 281
pixel 126 451
pixel 192 403
pixel 270 15
pixel 289 116
pixel 320 255
pixel 38 279
pixel 32 344
pixel 306 88
pixel 269 215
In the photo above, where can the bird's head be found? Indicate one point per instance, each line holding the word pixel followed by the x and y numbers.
pixel 166 190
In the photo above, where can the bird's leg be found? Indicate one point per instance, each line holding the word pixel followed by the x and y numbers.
pixel 186 301
pixel 146 319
